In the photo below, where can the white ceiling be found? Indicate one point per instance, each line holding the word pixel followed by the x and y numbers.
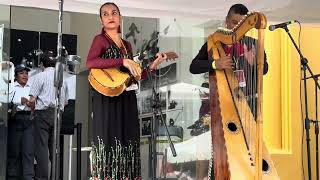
pixel 276 10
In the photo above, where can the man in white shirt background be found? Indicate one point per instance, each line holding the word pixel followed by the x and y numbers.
pixel 20 129
pixel 43 95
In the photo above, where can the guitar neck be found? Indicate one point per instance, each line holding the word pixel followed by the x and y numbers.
pixel 146 62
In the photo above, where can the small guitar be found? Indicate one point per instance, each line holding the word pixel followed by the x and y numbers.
pixel 113 81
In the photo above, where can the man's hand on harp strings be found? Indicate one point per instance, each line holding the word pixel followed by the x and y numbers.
pixel 250 54
pixel 224 62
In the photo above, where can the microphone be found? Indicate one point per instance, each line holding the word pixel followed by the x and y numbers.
pixel 281 25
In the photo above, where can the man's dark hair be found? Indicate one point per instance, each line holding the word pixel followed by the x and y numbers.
pixel 48 59
pixel 238 9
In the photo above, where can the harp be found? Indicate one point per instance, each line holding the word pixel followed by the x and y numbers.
pixel 238 151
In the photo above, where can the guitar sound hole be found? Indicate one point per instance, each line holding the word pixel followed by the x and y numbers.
pixel 265 166
pixel 232 127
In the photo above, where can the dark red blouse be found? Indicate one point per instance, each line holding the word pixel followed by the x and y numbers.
pixel 99 45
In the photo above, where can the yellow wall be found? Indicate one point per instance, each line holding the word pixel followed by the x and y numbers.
pixel 283 125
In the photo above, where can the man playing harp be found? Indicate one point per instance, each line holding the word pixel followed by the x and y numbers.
pixel 244 51
pixel 241 59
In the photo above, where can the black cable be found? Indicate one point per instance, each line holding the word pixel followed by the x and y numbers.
pixel 301 108
pixel 302 126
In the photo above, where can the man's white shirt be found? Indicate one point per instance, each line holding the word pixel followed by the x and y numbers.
pixel 19 92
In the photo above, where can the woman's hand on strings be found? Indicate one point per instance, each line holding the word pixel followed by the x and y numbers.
pixel 133 67
pixel 224 63
pixel 160 58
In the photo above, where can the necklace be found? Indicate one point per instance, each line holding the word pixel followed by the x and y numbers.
pixel 119 45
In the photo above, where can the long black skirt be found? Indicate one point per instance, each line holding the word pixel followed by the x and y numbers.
pixel 116 136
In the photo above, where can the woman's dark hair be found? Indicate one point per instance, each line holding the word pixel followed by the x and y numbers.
pixel 238 9
pixel 109 3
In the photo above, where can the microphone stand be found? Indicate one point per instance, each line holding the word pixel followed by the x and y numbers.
pixel 58 80
pixel 154 125
pixel 316 130
pixel 305 67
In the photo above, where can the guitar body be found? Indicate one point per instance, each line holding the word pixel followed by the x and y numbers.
pixel 109 82
pixel 113 81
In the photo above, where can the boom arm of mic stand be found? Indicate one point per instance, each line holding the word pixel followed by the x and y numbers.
pixel 173 150
pixel 156 111
pixel 304 60
pixel 157 107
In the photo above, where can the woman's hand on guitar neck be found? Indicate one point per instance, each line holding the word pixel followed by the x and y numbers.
pixel 160 58
pixel 133 67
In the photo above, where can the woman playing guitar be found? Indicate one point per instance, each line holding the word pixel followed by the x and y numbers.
pixel 115 119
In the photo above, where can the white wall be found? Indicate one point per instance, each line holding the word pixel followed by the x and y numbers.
pixel 5 15
pixel 35 19
pixel 85 26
